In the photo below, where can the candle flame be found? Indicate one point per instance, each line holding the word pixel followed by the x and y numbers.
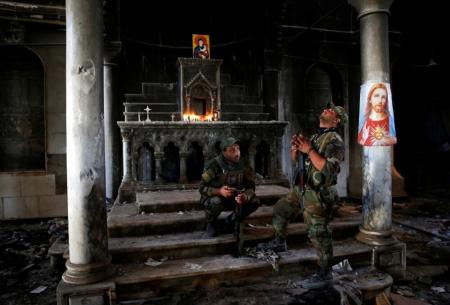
pixel 192 117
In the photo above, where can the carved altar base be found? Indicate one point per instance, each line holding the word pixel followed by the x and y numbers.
pixel 158 154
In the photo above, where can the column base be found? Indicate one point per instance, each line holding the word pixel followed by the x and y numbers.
pixel 159 180
pixel 102 293
pixel 127 191
pixel 183 180
pixel 88 273
pixel 375 238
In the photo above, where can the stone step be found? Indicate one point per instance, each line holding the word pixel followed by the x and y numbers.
pixel 225 79
pixel 155 107
pixel 180 200
pixel 243 108
pixel 125 220
pixel 196 244
pixel 238 116
pixel 153 116
pixel 159 88
pixel 228 101
pixel 140 280
pixel 166 116
pixel 233 93
pixel 251 100
pixel 150 99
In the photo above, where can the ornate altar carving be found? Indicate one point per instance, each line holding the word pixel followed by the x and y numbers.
pixel 171 144
pixel 199 89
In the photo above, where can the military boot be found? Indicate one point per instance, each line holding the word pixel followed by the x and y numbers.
pixel 229 223
pixel 277 244
pixel 318 280
pixel 211 229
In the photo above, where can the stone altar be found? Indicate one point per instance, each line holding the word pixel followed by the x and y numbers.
pixel 169 147
pixel 171 129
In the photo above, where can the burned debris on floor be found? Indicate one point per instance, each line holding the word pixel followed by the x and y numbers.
pixel 26 276
pixel 25 273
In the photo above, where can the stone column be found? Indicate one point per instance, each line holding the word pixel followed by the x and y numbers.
pixel 158 167
pixel 377 179
pixel 89 261
pixel 252 156
pixel 183 169
pixel 126 155
pixel 111 153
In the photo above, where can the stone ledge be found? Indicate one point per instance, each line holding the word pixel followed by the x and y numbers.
pixel 170 201
pixel 209 272
pixel 33 207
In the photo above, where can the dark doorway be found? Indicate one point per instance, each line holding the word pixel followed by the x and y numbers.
pixel 262 159
pixel 171 163
pixel 22 124
pixel 199 106
pixel 195 162
pixel 146 163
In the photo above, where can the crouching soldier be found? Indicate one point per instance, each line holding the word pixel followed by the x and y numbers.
pixel 227 181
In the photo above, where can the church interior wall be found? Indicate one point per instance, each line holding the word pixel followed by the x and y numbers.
pixel 42 193
pixel 269 55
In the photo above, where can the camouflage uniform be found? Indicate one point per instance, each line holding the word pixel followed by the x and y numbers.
pixel 319 196
pixel 218 173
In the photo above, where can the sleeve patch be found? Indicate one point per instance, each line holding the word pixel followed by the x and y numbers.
pixel 207 177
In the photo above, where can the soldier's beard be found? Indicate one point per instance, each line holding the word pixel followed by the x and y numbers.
pixel 233 159
pixel 325 119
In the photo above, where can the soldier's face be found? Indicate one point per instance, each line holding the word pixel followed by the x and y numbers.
pixel 328 118
pixel 232 153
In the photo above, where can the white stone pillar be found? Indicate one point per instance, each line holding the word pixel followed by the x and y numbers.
pixel 126 156
pixel 110 126
pixel 88 244
pixel 183 169
pixel 158 167
pixel 377 178
pixel 252 156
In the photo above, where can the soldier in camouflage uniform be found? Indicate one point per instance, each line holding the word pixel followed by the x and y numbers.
pixel 227 181
pixel 323 152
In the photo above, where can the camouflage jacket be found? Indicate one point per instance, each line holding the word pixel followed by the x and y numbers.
pixel 218 172
pixel 329 144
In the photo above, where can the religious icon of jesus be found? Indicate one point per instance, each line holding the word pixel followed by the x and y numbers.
pixel 200 46
pixel 376 119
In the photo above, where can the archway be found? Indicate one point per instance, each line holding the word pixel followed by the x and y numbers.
pixel 22 110
pixel 146 163
pixel 171 163
pixel 194 162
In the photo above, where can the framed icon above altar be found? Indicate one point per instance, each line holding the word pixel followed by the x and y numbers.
pixel 201 46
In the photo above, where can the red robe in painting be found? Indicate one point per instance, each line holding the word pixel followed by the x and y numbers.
pixel 375 133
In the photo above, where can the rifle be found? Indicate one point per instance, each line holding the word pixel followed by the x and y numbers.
pixel 301 179
pixel 238 228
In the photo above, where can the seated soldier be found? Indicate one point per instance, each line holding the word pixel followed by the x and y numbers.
pixel 227 181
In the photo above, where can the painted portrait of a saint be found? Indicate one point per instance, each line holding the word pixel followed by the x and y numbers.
pixel 200 46
pixel 376 115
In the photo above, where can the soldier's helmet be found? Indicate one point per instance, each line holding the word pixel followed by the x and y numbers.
pixel 228 141
pixel 340 112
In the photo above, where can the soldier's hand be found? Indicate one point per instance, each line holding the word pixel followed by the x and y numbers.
pixel 241 198
pixel 295 140
pixel 226 191
pixel 305 144
pixel 295 143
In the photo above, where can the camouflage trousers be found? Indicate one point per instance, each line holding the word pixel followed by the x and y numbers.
pixel 317 214
pixel 216 204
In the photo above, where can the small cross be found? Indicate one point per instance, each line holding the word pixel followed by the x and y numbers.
pixel 147 109
pixel 173 117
